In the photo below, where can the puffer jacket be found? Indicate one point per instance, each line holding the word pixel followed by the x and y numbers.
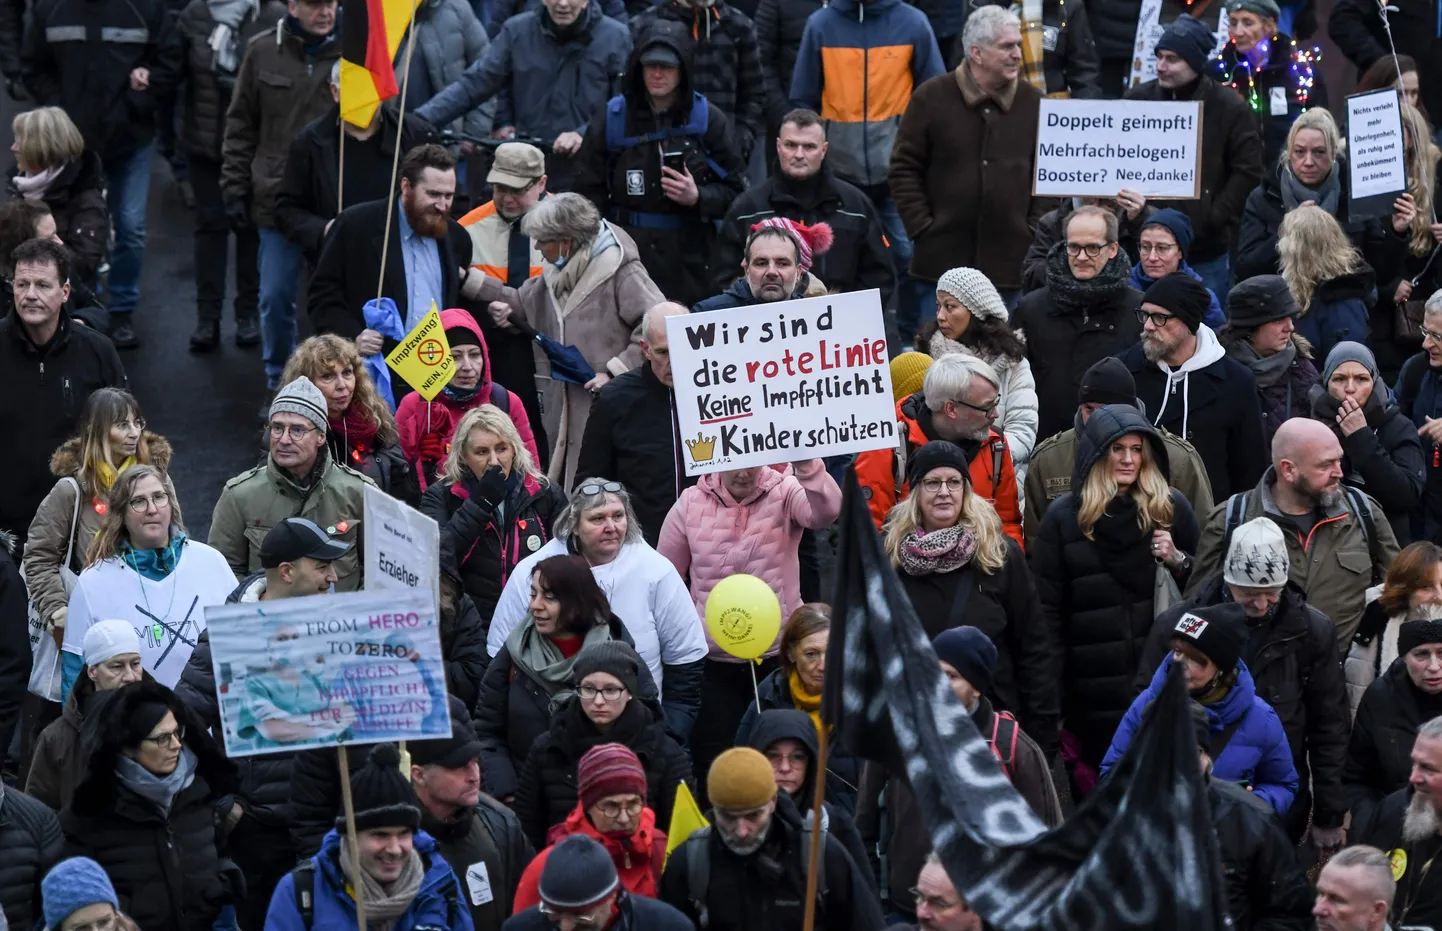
pixel 1016 416
pixel 166 868
pixel 1379 755
pixel 1340 310
pixel 843 771
pixel 207 97
pixel 1266 888
pixel 638 858
pixel 547 791
pixel 451 40
pixel 479 549
pixel 1097 594
pixel 416 417
pixel 76 199
pixel 1384 458
pixel 51 529
pixel 709 535
pixel 30 844
pixel 1257 756
pixel 55 768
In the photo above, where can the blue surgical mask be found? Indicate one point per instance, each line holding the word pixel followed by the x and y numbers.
pixel 560 263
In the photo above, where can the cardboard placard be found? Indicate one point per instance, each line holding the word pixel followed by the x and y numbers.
pixel 1094 148
pixel 423 359
pixel 402 546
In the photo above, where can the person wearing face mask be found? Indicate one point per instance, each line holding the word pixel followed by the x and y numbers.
pixel 605 713
pixel 1413 579
pixel 1261 334
pixel 427 429
pixel 1248 745
pixel 112 660
pixel 613 809
pixel 1381 453
pixel 1162 247
pixel 1291 652
pixel 145 809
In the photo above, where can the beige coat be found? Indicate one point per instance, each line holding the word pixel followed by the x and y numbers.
pixel 594 303
pixel 51 528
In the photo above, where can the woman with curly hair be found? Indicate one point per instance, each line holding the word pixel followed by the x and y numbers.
pixel 362 430
pixel 1332 284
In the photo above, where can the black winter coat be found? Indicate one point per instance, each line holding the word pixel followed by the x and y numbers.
pixel 1295 667
pixel 636 913
pixel 76 199
pixel 1384 458
pixel 779 26
pixel 1098 594
pixel 843 771
pixel 1356 26
pixel 15 656
pixel 1062 343
pixel 1418 902
pixel 1004 606
pixel 478 552
pixel 315 795
pixel 1418 393
pixel 1379 754
pixel 45 389
pixel 463 642
pixel 1256 252
pixel 859 257
pixel 167 869
pixel 1049 231
pixel 1231 158
pixel 207 97
pixel 1266 888
pixel 1276 74
pixel 548 792
pixel 387 466
pixel 1216 409
pixel 30 844
pixel 626 442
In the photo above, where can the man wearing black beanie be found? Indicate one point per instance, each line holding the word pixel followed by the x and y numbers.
pixel 1193 388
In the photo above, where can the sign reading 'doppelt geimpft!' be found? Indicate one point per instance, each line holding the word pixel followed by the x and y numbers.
pixel 324 670
pixel 1376 153
pixel 1095 148
pixel 782 382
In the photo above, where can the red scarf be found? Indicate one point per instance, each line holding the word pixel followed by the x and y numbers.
pixel 355 429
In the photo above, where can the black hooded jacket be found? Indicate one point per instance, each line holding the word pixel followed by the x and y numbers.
pixel 1379 753
pixel 1266 888
pixel 30 845
pixel 843 771
pixel 1384 458
pixel 166 867
pixel 1097 594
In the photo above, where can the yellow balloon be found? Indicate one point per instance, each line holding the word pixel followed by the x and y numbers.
pixel 743 615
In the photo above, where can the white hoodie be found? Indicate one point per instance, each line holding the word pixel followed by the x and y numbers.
pixel 1208 351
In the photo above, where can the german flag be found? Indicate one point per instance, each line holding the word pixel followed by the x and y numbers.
pixel 371 33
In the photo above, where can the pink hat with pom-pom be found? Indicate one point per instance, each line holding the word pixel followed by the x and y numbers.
pixel 810 240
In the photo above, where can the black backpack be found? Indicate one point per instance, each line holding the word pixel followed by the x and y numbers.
pixel 1356 503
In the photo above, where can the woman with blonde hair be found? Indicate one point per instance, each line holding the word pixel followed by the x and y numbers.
pixel 492 504
pixel 53 166
pixel 959 567
pixel 362 433
pixel 144 569
pixel 1333 285
pixel 1096 562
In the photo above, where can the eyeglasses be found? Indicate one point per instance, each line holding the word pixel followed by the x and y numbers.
pixel 141 503
pixel 296 431
pixel 579 919
pixel 981 408
pixel 1157 248
pixel 596 488
pixel 798 760
pixel 1157 320
pixel 127 425
pixel 610 692
pixel 167 739
pixel 631 808
pixel 934 485
pixel 1433 335
pixel 934 902
pixel 1092 250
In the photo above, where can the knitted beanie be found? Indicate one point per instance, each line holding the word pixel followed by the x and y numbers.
pixel 1191 39
pixel 304 398
pixel 974 290
pixel 740 779
pixel 1182 296
pixel 810 240
pixel 108 639
pixel 907 372
pixel 1413 634
pixel 1257 556
pixel 382 795
pixel 971 653
pixel 1176 223
pixel 610 656
pixel 72 885
pixel 1348 351
pixel 936 455
pixel 1218 632
pixel 1263 8
pixel 577 875
pixel 609 769
pixel 1108 381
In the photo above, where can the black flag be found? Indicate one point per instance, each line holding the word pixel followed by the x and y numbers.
pixel 1139 853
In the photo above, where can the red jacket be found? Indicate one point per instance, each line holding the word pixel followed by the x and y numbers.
pixel 876 471
pixel 416 416
pixel 638 858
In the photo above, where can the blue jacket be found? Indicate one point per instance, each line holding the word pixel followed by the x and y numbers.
pixel 441 903
pixel 1214 318
pixel 1258 755
pixel 1339 312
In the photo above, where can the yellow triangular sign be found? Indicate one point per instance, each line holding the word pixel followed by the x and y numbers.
pixel 685 817
pixel 423 358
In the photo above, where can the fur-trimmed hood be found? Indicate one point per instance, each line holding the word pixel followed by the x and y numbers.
pixel 65 461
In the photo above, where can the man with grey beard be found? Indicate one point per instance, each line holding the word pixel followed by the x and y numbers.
pixel 1408 827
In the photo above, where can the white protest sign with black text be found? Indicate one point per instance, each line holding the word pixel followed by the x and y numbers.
pixel 1095 148
pixel 1376 158
pixel 402 546
pixel 782 382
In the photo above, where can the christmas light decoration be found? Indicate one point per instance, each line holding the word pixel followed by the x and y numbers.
pixel 1239 74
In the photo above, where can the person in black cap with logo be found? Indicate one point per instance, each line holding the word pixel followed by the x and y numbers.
pixel 1048 474
pixel 481 838
pixel 580 891
pixel 1261 335
pixel 1191 387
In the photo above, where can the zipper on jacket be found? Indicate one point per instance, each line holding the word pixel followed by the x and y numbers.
pixel 865 100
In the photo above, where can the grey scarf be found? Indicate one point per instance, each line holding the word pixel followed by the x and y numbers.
pixel 1326 195
pixel 534 654
pixel 224 41
pixel 1268 370
pixel 385 903
pixel 161 790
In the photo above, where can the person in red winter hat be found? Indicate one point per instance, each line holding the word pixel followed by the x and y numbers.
pixel 777 265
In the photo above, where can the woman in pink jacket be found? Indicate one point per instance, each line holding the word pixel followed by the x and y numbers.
pixel 426 427
pixel 743 521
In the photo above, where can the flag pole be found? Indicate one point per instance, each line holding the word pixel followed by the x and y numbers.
pixel 809 921
pixel 396 159
pixel 343 760
pixel 340 183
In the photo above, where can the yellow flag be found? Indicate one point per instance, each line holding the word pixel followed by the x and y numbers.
pixel 685 818
pixel 424 358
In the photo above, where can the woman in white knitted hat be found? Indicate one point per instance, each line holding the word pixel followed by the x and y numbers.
pixel 971 319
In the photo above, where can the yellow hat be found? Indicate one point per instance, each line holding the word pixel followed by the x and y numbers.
pixel 740 779
pixel 907 371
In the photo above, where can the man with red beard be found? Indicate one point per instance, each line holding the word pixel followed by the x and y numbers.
pixel 1407 826
pixel 425 255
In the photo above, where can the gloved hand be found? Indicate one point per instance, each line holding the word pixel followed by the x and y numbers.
pixel 1327 840
pixel 238 212
pixel 432 447
pixel 493 487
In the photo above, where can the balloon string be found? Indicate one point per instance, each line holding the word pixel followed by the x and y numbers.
pixel 755 689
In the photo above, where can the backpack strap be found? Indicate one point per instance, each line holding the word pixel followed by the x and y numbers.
pixel 698 874
pixel 1236 510
pixel 1008 762
pixel 501 398
pixel 1359 506
pixel 303 880
pixel 998 452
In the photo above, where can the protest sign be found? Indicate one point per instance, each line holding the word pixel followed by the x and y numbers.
pixel 1375 153
pixel 402 546
pixel 1149 30
pixel 328 670
pixel 423 358
pixel 1094 148
pixel 782 382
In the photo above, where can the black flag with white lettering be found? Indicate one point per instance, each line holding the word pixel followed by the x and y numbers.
pixel 1139 853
